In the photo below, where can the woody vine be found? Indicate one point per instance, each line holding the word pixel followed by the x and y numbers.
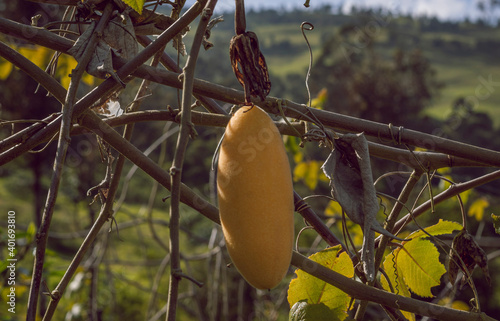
pixel 347 167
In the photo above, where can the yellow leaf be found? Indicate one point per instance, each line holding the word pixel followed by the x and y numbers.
pixel 333 208
pixel 135 4
pixel 5 69
pixel 308 172
pixel 297 157
pixel 320 100
pixel 419 260
pixel 299 172
pixel 38 55
pixel 477 208
pixel 65 66
pixel 444 171
pixel 416 267
pixel 396 281
pixel 354 230
pixel 315 291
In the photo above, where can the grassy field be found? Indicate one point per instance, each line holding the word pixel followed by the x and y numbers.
pixel 462 71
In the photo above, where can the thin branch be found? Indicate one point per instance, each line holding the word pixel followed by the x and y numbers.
pixel 452 191
pixel 33 71
pixel 313 219
pixel 62 149
pixel 104 89
pixel 186 128
pixel 209 104
pixel 107 86
pixel 188 197
pixel 328 118
pixel 391 220
pixel 360 291
pixel 351 287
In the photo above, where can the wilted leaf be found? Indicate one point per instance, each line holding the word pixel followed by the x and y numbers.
pixel 303 311
pixel 477 208
pixel 465 249
pixel 349 170
pixel 118 38
pixel 249 65
pixel 135 4
pixel 496 222
pixel 315 291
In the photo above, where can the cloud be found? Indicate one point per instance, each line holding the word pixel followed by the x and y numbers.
pixel 442 9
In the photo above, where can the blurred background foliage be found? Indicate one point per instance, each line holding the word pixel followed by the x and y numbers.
pixel 420 73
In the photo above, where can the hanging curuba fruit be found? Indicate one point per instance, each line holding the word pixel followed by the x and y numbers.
pixel 255 191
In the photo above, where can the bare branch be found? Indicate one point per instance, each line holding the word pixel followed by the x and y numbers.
pixel 177 164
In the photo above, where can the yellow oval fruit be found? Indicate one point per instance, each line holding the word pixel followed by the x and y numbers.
pixel 255 191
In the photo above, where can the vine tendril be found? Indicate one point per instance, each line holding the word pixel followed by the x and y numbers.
pixel 308 26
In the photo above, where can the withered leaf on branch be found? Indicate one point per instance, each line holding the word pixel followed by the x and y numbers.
pixel 150 22
pixel 208 31
pixel 496 222
pixel 118 38
pixel 249 65
pixel 464 247
pixel 349 170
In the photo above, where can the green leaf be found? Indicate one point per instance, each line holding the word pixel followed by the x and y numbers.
pixel 135 4
pixel 315 291
pixel 442 227
pixel 303 311
pixel 30 232
pixel 292 144
pixel 496 222
pixel 3 265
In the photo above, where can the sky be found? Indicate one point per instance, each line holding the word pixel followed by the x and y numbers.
pixel 442 9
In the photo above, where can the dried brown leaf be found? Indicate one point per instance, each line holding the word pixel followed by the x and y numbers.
pixel 249 65
pixel 465 249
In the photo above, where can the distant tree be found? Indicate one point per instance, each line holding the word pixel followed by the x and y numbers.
pixel 361 83
pixel 488 9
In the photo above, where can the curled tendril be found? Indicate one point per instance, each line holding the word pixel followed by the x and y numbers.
pixel 395 267
pixel 309 27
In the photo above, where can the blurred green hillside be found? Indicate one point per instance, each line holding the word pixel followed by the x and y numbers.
pixel 463 54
